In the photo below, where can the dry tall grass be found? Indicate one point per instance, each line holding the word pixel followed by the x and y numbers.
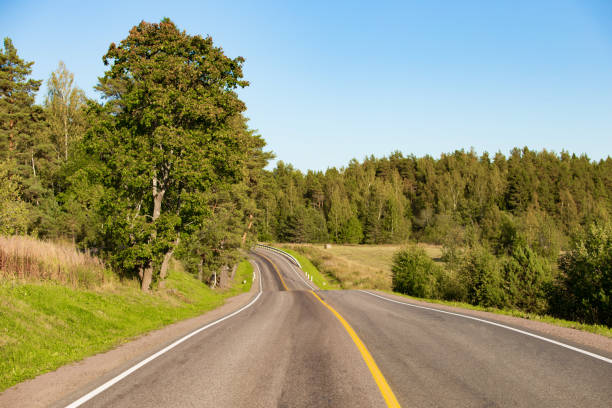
pixel 357 266
pixel 30 259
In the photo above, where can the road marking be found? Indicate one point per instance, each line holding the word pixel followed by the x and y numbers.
pixel 526 333
pixel 299 275
pixel 383 386
pixel 130 370
pixel 277 272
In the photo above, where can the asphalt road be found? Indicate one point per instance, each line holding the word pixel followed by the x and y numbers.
pixel 291 349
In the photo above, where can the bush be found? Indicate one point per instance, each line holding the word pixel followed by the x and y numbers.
pixel 414 273
pixel 481 276
pixel 585 290
pixel 527 279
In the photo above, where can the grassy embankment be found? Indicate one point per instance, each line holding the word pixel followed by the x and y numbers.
pixel 369 267
pixel 58 306
pixel 323 281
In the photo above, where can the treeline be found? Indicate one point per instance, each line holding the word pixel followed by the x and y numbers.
pixel 459 199
pixel 164 165
pixel 503 223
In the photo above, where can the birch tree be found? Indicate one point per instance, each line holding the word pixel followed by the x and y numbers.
pixel 63 105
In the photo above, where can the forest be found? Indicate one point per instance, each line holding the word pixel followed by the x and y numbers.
pixel 165 165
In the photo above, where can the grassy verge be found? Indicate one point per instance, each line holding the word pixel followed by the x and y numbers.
pixel 44 325
pixel 345 271
pixel 323 281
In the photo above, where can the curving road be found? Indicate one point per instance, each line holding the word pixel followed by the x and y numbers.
pixel 291 347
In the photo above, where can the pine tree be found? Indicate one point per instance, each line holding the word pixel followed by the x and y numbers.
pixel 22 137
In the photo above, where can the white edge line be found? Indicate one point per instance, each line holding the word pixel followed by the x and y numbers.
pixel 129 371
pixel 302 278
pixel 558 343
pixel 296 272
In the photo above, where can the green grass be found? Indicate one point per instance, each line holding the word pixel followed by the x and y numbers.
pixel 46 325
pixel 593 328
pixel 319 279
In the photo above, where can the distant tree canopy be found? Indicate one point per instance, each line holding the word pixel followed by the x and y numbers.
pixel 460 197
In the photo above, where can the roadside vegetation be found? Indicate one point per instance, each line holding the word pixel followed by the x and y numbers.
pixel 355 266
pixel 162 166
pixel 319 278
pixel 50 316
pixel 415 274
pixel 578 287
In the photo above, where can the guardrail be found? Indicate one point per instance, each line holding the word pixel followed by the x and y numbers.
pixel 280 251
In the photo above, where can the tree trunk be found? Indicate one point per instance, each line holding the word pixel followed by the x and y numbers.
pixel 166 262
pixel 244 236
pixel 158 196
pixel 214 282
pixel 147 278
pixel 11 136
pixel 66 136
pixel 201 270
pixel 33 167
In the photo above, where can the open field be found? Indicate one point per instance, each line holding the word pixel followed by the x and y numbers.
pixel 357 266
pixel 47 321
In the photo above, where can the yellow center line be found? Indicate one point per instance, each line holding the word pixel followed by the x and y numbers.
pixel 277 272
pixel 383 386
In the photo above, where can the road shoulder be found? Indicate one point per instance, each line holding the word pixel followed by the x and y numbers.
pixel 593 342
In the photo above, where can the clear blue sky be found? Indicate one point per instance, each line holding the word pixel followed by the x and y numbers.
pixel 331 81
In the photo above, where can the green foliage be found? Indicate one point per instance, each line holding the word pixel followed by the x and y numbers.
pixel 13 211
pixel 17 110
pixel 64 114
pixel 527 280
pixel 170 133
pixel 586 280
pixel 482 278
pixel 351 231
pixel 23 141
pixel 415 274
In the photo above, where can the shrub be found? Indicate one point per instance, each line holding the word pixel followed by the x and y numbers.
pixel 414 273
pixel 527 279
pixel 585 291
pixel 481 276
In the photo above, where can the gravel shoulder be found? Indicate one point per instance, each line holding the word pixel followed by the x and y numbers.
pixel 46 389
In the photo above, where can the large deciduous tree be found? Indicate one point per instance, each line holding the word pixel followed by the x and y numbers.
pixel 171 129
